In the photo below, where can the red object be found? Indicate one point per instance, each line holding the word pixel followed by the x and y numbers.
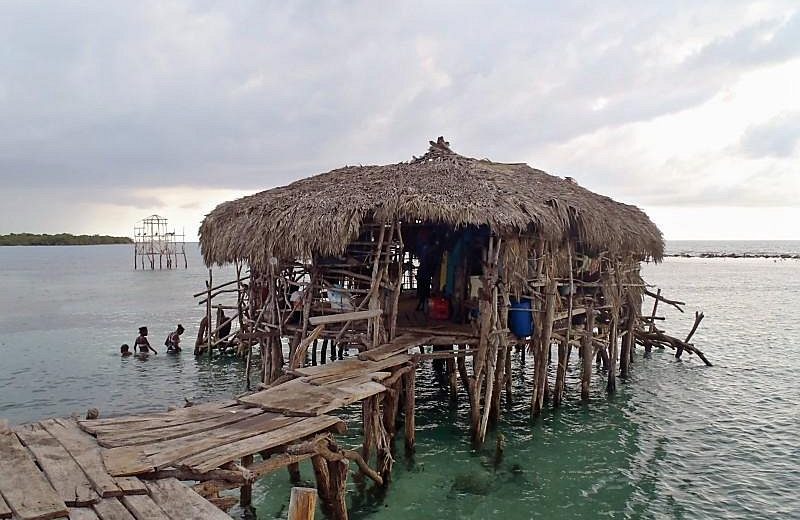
pixel 438 309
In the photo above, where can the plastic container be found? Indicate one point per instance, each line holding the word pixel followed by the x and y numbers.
pixel 520 318
pixel 438 308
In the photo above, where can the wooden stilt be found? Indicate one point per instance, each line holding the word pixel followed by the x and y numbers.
pixel 338 482
pixel 611 385
pixel 410 397
pixel 314 354
pixel 323 479
pixel 508 376
pixel 543 341
pixel 294 473
pixel 586 351
pixel 323 353
pixel 452 383
pixel 210 337
pixel 627 342
pixel 302 503
pixel 246 491
pixel 561 373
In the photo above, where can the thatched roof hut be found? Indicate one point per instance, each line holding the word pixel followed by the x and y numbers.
pixel 467 256
pixel 323 213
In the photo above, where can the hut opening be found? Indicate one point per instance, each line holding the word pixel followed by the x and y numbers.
pixel 443 257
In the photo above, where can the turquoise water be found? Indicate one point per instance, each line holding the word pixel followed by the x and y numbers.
pixel 679 440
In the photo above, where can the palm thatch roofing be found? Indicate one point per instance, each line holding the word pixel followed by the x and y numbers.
pixel 323 213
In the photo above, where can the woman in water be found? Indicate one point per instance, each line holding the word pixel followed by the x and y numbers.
pixel 174 340
pixel 142 345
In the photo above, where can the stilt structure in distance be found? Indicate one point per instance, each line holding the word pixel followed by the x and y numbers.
pixel 152 241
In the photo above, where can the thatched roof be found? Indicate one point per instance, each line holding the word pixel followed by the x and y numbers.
pixel 323 213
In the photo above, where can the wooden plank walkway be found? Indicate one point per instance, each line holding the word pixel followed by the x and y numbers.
pixel 126 467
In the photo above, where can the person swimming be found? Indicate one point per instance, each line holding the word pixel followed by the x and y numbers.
pixel 142 344
pixel 125 350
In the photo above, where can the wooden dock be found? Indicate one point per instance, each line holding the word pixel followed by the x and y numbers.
pixel 173 465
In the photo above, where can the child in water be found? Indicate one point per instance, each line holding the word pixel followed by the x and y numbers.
pixel 142 344
pixel 125 350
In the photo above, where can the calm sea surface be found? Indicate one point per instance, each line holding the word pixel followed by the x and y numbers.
pixel 679 440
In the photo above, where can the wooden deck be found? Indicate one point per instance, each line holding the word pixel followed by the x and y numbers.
pixel 132 467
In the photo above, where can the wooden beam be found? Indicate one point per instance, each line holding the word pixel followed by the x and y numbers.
pixel 347 316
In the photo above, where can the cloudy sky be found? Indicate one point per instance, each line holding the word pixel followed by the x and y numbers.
pixel 111 111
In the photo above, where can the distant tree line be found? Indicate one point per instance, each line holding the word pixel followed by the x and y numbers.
pixel 61 239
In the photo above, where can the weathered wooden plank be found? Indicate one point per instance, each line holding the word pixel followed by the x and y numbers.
pixel 346 316
pixel 126 461
pixel 306 400
pixel 86 453
pixel 131 485
pixel 25 489
pixel 82 513
pixel 200 411
pixel 61 470
pixel 112 509
pixel 144 508
pixel 399 345
pixel 168 453
pixel 349 366
pixel 174 432
pixel 178 501
pixel 216 457
pixel 169 420
pixel 5 511
pixel 348 394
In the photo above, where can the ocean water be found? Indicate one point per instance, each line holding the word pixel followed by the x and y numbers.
pixel 678 440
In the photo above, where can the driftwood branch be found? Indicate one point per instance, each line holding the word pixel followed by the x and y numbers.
pixel 658 296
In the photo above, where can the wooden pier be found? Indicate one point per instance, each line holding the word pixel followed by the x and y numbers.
pixel 135 467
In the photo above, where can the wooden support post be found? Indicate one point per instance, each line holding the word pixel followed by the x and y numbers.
pixel 564 346
pixel 450 367
pixel 561 373
pixel 338 482
pixel 508 375
pixel 611 385
pixel 302 503
pixel 210 337
pixel 543 346
pixel 586 351
pixel 323 479
pixel 314 354
pixel 323 353
pixel 502 339
pixel 410 399
pixel 246 491
pixel 628 341
pixel 294 473
pixel 369 409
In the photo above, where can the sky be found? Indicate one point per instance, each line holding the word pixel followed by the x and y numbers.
pixel 111 111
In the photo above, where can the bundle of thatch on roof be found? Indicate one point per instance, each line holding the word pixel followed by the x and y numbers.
pixel 323 213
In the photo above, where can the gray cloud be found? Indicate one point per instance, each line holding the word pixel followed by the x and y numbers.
pixel 251 95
